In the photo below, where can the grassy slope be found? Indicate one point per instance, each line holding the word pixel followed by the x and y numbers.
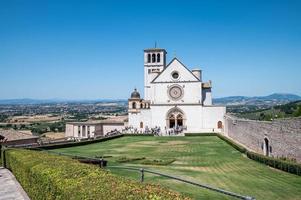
pixel 204 159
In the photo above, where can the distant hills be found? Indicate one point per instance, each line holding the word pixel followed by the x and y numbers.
pixel 273 99
pixel 27 101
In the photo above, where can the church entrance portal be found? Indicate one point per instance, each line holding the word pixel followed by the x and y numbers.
pixel 175 119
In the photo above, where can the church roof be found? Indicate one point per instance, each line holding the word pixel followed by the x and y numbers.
pixel 135 94
pixel 11 134
pixel 169 64
pixel 99 122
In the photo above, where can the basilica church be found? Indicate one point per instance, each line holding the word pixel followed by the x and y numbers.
pixel 176 100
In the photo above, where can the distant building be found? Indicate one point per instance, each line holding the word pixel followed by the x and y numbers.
pixel 175 99
pixel 92 129
pixel 16 138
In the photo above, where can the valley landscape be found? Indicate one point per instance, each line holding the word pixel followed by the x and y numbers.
pixel 43 116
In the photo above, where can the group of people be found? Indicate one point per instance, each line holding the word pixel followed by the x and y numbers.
pixel 113 132
pixel 153 131
pixel 175 130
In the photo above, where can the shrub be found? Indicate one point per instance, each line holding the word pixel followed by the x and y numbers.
pixel 46 176
pixel 84 142
pixel 283 165
pixel 277 163
pixel 157 162
pixel 125 159
pixel 138 134
pixel 233 144
pixel 200 134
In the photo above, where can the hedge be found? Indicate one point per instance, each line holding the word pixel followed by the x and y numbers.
pixel 290 167
pixel 277 163
pixel 49 177
pixel 233 144
pixel 200 134
pixel 137 134
pixel 72 144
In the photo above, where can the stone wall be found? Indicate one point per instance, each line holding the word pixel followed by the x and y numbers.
pixel 283 136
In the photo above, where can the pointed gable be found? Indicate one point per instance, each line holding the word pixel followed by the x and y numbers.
pixel 184 74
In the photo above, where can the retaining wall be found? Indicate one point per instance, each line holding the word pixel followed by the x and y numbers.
pixel 283 136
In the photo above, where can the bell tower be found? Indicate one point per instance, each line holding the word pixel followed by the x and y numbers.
pixel 154 64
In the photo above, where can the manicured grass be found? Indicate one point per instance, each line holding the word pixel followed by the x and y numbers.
pixel 204 159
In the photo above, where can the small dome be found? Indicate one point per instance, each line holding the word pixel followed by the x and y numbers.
pixel 135 94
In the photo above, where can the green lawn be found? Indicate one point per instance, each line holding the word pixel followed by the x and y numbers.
pixel 203 159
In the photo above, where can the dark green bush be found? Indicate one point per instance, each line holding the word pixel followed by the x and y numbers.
pixel 233 144
pixel 125 159
pixel 137 134
pixel 290 167
pixel 72 144
pixel 277 163
pixel 157 161
pixel 200 134
pixel 47 176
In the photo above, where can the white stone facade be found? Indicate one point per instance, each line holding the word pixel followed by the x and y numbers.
pixel 175 99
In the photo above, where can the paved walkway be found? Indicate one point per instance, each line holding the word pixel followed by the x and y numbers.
pixel 10 189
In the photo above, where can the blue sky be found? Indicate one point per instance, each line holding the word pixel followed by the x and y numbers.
pixel 94 49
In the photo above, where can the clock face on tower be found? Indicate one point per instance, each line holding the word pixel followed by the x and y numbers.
pixel 175 92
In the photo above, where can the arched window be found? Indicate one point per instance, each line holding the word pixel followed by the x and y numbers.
pixel 141 105
pixel 134 105
pixel 219 124
pixel 179 120
pixel 158 57
pixel 141 124
pixel 153 57
pixel 148 58
pixel 172 121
